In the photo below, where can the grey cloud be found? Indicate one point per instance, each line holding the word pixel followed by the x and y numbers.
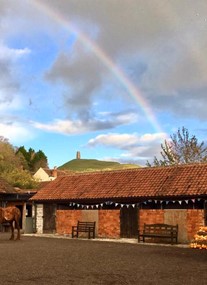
pixel 189 103
pixel 112 120
pixel 135 24
pixel 168 37
pixel 81 76
pixel 77 126
pixel 8 84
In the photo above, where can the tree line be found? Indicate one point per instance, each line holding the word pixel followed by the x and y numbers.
pixel 17 165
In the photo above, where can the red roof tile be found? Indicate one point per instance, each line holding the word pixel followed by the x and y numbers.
pixel 184 180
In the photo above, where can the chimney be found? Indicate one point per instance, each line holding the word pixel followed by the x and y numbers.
pixel 54 172
pixel 78 155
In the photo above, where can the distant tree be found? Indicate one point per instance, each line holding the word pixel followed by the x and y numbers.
pixel 39 159
pixel 181 149
pixel 21 155
pixel 34 160
pixel 13 166
pixel 8 159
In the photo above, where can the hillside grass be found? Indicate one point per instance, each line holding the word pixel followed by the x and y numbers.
pixel 81 165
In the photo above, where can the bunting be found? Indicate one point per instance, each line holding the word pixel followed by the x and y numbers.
pixel 133 205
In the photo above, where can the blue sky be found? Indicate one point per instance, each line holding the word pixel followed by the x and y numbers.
pixel 111 79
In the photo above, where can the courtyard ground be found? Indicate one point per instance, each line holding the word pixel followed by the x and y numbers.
pixel 43 260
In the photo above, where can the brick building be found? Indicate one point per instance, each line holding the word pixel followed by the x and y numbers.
pixel 122 201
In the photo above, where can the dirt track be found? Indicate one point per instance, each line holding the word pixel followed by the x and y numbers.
pixel 35 260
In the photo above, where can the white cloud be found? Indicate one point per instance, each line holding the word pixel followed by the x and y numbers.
pixel 11 54
pixel 135 148
pixel 16 133
pixel 124 141
pixel 9 103
pixel 62 126
pixel 71 127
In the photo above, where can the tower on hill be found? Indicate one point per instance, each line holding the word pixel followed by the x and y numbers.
pixel 78 155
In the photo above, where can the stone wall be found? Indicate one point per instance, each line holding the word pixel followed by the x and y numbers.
pixel 39 218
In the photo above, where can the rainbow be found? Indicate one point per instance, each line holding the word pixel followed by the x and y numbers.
pixel 104 58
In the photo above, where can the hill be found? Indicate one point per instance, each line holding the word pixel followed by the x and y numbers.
pixel 94 165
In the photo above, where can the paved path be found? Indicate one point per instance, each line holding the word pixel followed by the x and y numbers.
pixel 43 260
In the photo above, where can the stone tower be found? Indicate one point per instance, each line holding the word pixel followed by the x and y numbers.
pixel 78 155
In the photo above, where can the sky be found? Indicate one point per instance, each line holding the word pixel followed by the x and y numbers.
pixel 112 79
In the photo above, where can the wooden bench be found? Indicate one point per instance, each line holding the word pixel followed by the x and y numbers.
pixel 84 227
pixel 159 231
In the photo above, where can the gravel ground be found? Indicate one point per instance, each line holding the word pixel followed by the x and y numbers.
pixel 42 260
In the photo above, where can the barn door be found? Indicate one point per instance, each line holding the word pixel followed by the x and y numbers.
pixel 128 222
pixel 49 218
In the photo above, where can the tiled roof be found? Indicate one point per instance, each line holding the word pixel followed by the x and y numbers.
pixel 184 180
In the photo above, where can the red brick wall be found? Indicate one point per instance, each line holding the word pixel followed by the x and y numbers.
pixel 109 224
pixel 187 227
pixel 109 221
pixel 65 219
pixel 195 220
pixel 150 217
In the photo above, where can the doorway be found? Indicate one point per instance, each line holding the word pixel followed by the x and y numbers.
pixel 49 218
pixel 128 222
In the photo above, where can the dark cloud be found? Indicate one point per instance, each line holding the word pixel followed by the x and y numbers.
pixel 160 46
pixel 81 73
